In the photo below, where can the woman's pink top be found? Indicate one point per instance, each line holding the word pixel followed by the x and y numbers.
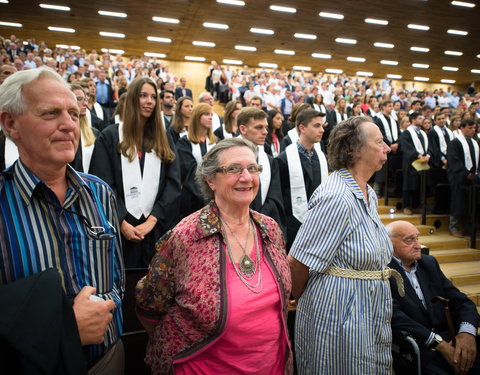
pixel 254 340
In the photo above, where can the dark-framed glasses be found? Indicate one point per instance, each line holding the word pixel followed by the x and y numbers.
pixel 237 169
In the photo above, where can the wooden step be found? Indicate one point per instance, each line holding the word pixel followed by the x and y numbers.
pixel 386 209
pixel 472 291
pixel 440 222
pixel 426 230
pixel 388 218
pixel 462 273
pixel 455 255
pixel 444 241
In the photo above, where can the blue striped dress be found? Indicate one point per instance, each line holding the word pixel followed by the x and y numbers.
pixel 343 325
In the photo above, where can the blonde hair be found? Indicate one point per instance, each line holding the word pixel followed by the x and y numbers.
pixel 85 128
pixel 194 126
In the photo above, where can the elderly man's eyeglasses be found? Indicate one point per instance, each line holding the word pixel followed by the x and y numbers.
pixel 410 240
pixel 82 99
pixel 237 169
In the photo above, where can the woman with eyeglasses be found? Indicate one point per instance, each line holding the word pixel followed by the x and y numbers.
pixel 137 159
pixel 88 134
pixel 191 148
pixel 215 297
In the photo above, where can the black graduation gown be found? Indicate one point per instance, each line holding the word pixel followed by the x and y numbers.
pixel 411 178
pixel 173 135
pixel 219 133
pixel 273 205
pixel 285 142
pixel 457 177
pixel 332 122
pixel 77 162
pixel 312 178
pixel 394 159
pixel 438 175
pixel 106 164
pixel 191 198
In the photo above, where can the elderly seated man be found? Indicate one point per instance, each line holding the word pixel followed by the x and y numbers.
pixel 426 320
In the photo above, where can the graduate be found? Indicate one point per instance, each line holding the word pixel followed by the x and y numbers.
pixel 137 159
pixel 229 128
pixel 303 167
pixel 191 148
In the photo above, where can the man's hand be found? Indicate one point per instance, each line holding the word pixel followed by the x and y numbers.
pixel 465 352
pixel 394 147
pixel 447 350
pixel 146 227
pixel 92 317
pixel 130 232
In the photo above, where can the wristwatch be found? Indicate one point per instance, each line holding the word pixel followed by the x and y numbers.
pixel 437 339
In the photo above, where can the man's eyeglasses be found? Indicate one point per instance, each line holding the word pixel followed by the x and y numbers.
pixel 82 99
pixel 410 240
pixel 237 169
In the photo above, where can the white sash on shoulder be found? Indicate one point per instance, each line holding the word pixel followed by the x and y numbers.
pixel 140 191
pixel 98 110
pixel 392 136
pixel 225 133
pixel 466 151
pixel 87 152
pixel 298 192
pixel 319 108
pixel 215 122
pixel 293 134
pixel 340 116
pixel 441 138
pixel 197 151
pixel 416 140
pixel 11 152
pixel 266 175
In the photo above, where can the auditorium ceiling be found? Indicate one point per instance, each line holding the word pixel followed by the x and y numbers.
pixel 449 55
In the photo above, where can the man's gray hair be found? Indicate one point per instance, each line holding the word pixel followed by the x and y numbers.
pixel 202 95
pixel 210 162
pixel 11 95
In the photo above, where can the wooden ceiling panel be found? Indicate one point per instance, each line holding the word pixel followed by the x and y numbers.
pixel 438 15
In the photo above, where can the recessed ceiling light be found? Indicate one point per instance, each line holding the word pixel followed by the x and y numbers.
pixel 457 32
pixel 55 7
pixel 383 45
pixel 356 59
pixel 75 47
pixel 463 4
pixel 284 52
pixel 155 54
pixel 394 76
pixel 233 62
pixel 111 50
pixel 450 68
pixel 476 71
pixel 194 58
pixel 111 35
pixel 159 39
pixel 321 55
pixel 304 68
pixel 376 21
pixel 64 46
pixel 268 65
pixel 389 62
pixel 213 25
pixel 453 53
pixel 366 74
pixel 478 56
pixel 336 16
pixel 334 71
pixel 246 48
pixel 232 2
pixel 3 1
pixel 258 30
pixel 61 29
pixel 418 27
pixel 345 41
pixel 280 8
pixel 447 81
pixel 424 79
pixel 203 44
pixel 419 49
pixel 11 24
pixel 305 36
pixel 420 66
pixel 112 14
pixel 165 20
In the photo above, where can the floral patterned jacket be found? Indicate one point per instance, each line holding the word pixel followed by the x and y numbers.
pixel 184 293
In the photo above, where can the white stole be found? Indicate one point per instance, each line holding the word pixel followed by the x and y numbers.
pixel 266 175
pixel 340 116
pixel 416 140
pixel 298 192
pixel 216 122
pixel 293 134
pixel 197 151
pixel 466 151
pixel 87 152
pixel 117 119
pixel 11 152
pixel 88 116
pixel 225 133
pixel 140 191
pixel 441 137
pixel 98 110
pixel 392 136
pixel 319 108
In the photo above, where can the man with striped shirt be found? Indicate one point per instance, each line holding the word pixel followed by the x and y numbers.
pixel 52 217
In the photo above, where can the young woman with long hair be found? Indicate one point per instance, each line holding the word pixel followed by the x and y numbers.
pixel 181 119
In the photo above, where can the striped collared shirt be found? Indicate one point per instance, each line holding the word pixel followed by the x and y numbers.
pixel 37 233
